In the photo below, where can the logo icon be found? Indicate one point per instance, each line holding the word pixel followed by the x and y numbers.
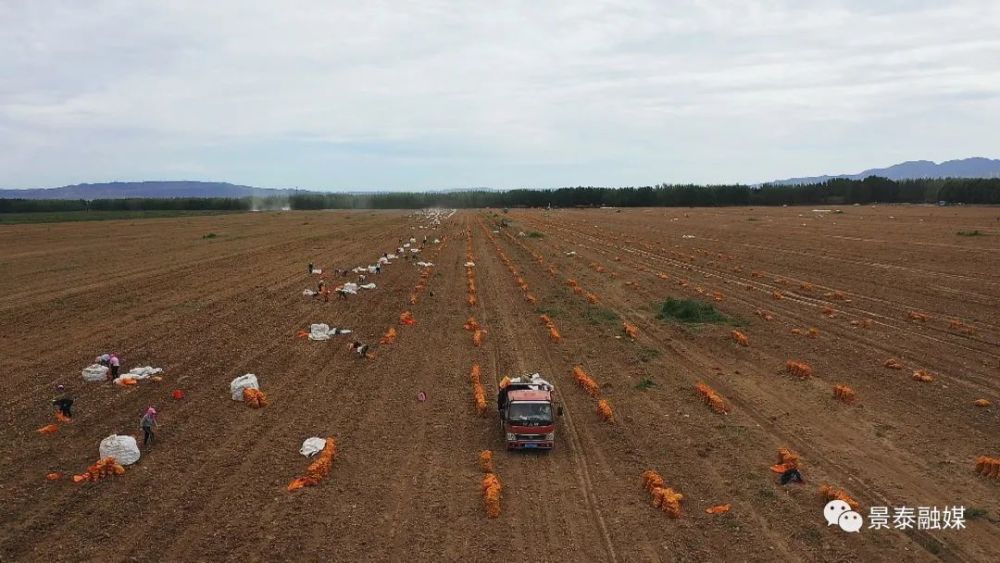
pixel 839 512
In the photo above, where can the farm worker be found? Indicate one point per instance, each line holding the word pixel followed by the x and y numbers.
pixel 64 402
pixel 378 268
pixel 322 286
pixel 791 476
pixel 115 364
pixel 310 267
pixel 147 424
pixel 103 359
pixel 359 348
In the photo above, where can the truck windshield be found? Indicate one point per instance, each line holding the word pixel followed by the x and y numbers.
pixel 530 414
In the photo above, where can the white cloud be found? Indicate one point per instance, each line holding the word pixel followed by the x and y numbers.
pixel 450 94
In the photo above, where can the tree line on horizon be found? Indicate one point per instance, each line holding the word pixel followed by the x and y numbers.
pixel 839 191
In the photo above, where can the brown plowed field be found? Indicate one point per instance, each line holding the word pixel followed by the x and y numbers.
pixel 405 483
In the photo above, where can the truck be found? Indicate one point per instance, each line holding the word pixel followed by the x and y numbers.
pixel 528 413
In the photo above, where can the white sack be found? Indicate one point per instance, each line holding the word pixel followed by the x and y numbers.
pixel 123 448
pixel 236 386
pixel 95 372
pixel 312 446
pixel 140 373
pixel 319 331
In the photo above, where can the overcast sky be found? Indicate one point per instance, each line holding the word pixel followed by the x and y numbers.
pixel 410 95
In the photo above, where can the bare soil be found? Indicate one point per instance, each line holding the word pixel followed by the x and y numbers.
pixel 405 484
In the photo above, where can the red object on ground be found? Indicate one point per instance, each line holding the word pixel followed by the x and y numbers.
pixel 177 394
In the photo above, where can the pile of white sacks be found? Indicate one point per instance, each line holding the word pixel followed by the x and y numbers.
pixel 323 331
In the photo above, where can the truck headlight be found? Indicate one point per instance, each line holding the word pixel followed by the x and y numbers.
pixel 550 437
pixel 511 437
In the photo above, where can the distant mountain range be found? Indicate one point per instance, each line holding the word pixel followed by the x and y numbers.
pixel 174 188
pixel 114 190
pixel 965 168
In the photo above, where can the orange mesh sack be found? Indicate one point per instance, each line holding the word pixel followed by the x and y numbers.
pixel 491 494
pixel 105 467
pixel 832 493
pixel 471 324
pixel 711 398
pixel 740 338
pixel 630 330
pixel 318 469
pixel 585 381
pixel 604 409
pixel 254 398
pixel 988 466
pixel 787 459
pixel 844 393
pixel 486 461
pixel 389 337
pixel 799 369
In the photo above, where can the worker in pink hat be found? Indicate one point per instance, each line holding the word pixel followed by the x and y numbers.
pixel 115 365
pixel 147 424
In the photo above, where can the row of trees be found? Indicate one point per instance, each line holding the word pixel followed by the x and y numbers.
pixel 834 192
pixel 870 190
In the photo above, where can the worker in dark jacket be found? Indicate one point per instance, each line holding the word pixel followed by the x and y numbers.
pixel 360 349
pixel 64 402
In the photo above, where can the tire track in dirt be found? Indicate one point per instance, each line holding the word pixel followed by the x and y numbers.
pixel 510 339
